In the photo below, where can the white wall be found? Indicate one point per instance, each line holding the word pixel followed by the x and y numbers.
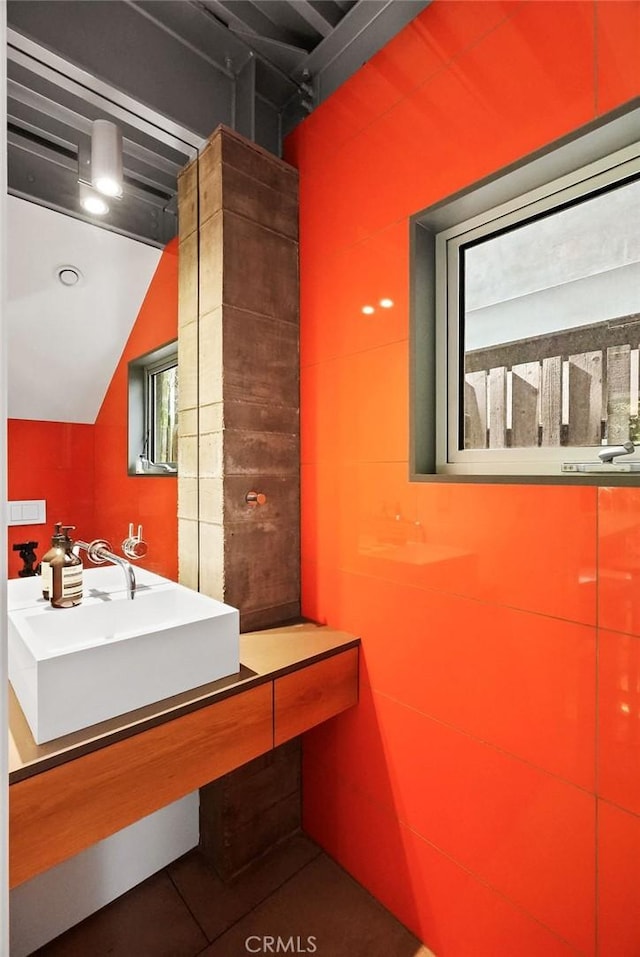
pixel 595 236
pixel 64 334
pixel 572 268
pixel 602 296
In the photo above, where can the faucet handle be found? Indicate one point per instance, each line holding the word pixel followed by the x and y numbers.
pixel 134 547
pixel 95 548
pixel 255 498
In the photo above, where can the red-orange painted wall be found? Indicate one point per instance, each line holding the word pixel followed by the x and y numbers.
pixel 53 461
pixel 466 791
pixel 81 470
pixel 119 497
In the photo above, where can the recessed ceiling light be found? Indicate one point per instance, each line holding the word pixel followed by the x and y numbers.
pixel 95 205
pixel 368 310
pixel 386 303
pixel 68 275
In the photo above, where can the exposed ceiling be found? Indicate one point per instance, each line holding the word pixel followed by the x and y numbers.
pixel 64 342
pixel 168 72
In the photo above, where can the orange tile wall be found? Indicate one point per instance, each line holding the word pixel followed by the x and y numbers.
pixel 149 500
pixel 81 470
pixel 487 788
pixel 53 461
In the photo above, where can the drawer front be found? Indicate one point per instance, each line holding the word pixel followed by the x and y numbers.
pixel 309 696
pixel 59 813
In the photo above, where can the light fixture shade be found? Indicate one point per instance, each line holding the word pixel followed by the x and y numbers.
pixel 106 158
pixel 92 202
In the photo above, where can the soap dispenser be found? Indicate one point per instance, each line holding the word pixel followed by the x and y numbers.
pixel 57 546
pixel 66 573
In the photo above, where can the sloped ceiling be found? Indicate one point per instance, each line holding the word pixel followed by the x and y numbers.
pixel 64 342
pixel 167 72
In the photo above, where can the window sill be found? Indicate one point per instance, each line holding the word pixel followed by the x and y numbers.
pixel 156 471
pixel 608 480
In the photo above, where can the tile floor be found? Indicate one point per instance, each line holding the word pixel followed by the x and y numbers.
pixel 294 891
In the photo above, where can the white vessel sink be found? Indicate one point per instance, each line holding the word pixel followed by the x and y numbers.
pixel 73 667
pixel 99 584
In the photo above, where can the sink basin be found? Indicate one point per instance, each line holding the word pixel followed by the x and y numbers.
pixel 99 584
pixel 73 667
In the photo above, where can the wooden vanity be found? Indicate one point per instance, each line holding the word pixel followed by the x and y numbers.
pixel 72 792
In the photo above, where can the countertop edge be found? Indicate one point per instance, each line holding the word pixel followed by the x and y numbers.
pixel 83 748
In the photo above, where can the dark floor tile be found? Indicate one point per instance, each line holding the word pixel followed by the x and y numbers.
pixel 322 908
pixel 151 920
pixel 217 905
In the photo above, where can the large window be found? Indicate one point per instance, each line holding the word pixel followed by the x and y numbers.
pixel 153 412
pixel 532 314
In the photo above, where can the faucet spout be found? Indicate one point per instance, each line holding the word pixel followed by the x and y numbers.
pixel 99 552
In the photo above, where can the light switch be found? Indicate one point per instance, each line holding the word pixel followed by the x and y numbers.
pixel 15 513
pixel 33 512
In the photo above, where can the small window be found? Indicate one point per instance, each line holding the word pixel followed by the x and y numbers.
pixel 153 412
pixel 531 328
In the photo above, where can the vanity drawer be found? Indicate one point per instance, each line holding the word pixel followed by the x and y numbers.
pixel 306 697
pixel 58 813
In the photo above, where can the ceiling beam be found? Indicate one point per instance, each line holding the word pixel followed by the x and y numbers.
pixel 315 19
pixel 131 53
pixel 86 87
pixel 365 29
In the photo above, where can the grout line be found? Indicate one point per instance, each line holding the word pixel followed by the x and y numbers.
pixel 389 813
pixel 186 904
pixel 618 631
pixel 267 897
pixel 205 950
pixel 618 807
pixel 356 352
pixel 375 900
pixel 485 743
pixel 444 66
pixel 430 590
pixel 515 904
pixel 257 904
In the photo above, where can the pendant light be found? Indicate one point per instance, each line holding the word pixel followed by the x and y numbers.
pixel 106 158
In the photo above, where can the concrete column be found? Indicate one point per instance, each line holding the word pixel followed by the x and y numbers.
pixel 239 379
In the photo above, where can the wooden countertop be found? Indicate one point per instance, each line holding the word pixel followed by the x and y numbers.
pixel 265 655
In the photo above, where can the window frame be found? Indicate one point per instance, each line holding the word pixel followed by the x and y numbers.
pixel 151 370
pixel 566 172
pixel 141 444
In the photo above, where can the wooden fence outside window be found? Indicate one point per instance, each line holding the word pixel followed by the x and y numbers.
pixel 572 388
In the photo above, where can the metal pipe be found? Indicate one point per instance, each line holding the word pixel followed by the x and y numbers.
pixel 99 553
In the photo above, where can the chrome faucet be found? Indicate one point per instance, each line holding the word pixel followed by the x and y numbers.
pixel 100 552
